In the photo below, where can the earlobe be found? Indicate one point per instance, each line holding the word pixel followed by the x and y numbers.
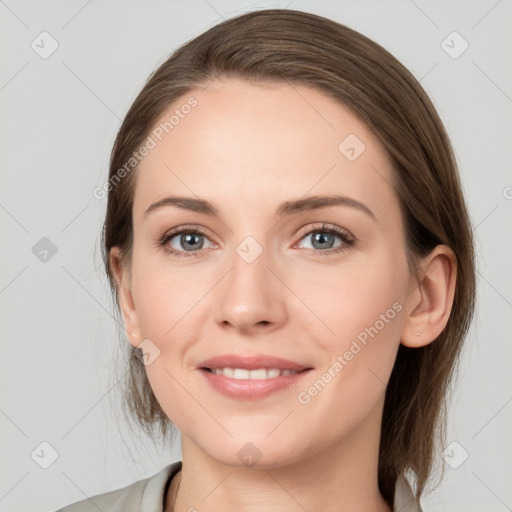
pixel 123 285
pixel 430 302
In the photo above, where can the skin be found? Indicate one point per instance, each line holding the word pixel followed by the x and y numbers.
pixel 247 148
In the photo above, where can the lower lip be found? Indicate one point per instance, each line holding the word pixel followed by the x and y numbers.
pixel 251 389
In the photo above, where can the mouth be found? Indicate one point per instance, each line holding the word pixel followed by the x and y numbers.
pixel 257 374
pixel 250 378
pixel 255 363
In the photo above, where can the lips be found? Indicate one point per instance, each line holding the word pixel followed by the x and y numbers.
pixel 259 374
pixel 251 363
pixel 251 378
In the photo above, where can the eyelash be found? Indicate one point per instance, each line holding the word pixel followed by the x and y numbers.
pixel 347 239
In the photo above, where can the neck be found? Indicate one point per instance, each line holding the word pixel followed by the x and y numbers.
pixel 340 477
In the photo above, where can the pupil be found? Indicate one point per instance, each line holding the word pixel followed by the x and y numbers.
pixel 321 237
pixel 189 238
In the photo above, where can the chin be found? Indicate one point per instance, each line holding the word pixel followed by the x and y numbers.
pixel 254 451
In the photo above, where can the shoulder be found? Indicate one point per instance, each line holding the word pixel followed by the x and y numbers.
pixel 405 500
pixel 145 495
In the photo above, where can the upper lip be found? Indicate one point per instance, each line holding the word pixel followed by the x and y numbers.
pixel 251 363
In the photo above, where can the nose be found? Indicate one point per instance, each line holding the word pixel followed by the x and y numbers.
pixel 251 298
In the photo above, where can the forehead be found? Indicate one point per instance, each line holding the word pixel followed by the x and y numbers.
pixel 260 144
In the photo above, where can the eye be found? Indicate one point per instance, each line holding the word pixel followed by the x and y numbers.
pixel 185 241
pixel 323 239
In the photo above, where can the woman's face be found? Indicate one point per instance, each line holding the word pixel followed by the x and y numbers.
pixel 271 274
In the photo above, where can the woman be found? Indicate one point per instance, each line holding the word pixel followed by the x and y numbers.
pixel 289 246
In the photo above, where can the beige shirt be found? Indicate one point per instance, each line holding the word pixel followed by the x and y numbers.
pixel 148 496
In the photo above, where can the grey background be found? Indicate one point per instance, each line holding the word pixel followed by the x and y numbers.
pixel 59 118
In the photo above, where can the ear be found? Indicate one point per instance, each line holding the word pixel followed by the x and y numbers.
pixel 430 299
pixel 122 277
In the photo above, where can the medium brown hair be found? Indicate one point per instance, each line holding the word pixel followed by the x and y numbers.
pixel 293 47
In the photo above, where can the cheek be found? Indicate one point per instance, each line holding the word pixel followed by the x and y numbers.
pixel 165 297
pixel 351 298
pixel 367 303
pixel 363 306
pixel 366 315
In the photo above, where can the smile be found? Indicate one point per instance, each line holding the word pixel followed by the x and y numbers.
pixel 257 374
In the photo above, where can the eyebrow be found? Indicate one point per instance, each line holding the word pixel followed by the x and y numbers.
pixel 285 209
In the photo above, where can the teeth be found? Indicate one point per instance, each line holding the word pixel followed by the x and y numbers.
pixel 241 374
pixel 228 372
pixel 259 374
